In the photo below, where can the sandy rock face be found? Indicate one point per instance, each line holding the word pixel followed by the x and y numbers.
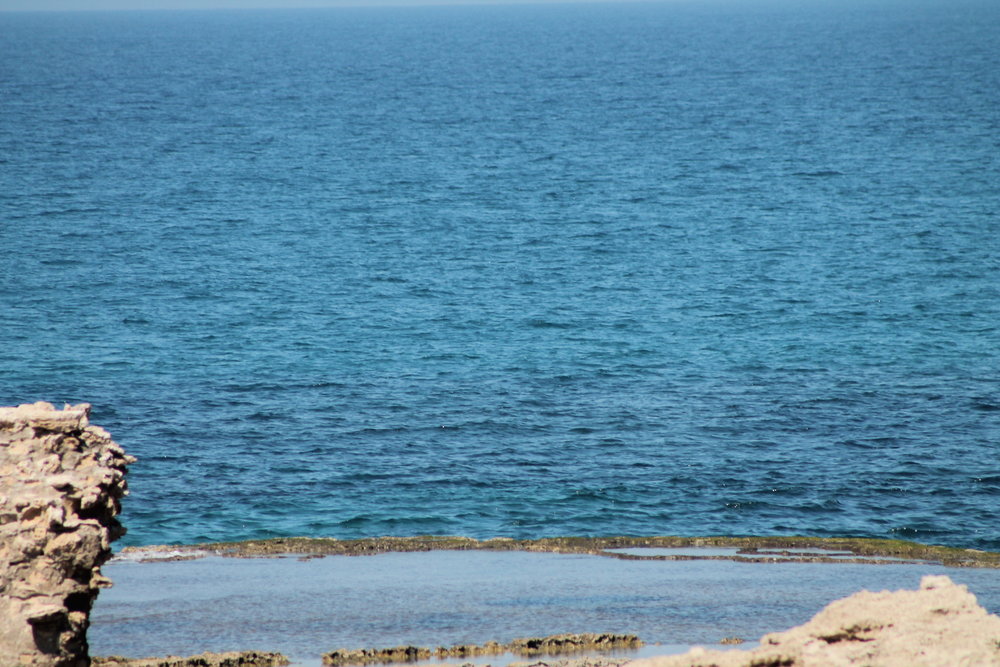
pixel 940 624
pixel 61 482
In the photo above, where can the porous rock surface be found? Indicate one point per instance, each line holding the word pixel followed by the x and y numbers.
pixel 940 624
pixel 591 661
pixel 61 482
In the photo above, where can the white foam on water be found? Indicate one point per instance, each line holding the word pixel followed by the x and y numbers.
pixel 143 555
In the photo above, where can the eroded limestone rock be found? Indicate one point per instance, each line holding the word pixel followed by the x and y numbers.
pixel 940 624
pixel 61 483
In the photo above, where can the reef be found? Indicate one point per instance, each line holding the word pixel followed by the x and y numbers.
pixel 230 659
pixel 62 481
pixel 940 624
pixel 525 647
pixel 769 549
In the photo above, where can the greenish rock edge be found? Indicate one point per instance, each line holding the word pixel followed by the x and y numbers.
pixel 527 647
pixel 751 549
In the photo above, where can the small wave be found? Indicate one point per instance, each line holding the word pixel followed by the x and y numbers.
pixel 253 387
pixel 538 323
pixel 372 430
pixel 65 211
pixel 823 173
pixel 319 385
pixel 741 505
pixel 266 416
pixel 357 521
pixel 148 554
pixel 986 479
pixel 367 521
pixel 829 505
pixel 916 532
pixel 587 495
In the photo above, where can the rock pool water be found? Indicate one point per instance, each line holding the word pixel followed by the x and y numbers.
pixel 304 607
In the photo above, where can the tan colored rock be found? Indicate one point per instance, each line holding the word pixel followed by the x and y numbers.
pixel 61 483
pixel 590 661
pixel 939 625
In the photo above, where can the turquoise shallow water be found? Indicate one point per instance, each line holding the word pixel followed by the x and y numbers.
pixel 577 269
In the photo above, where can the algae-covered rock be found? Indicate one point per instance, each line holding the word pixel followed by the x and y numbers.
pixel 231 659
pixel 376 655
pixel 528 646
pixel 573 643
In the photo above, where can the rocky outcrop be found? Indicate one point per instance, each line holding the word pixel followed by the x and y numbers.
pixel 530 646
pixel 231 659
pixel 590 661
pixel 743 549
pixel 572 643
pixel 940 624
pixel 61 483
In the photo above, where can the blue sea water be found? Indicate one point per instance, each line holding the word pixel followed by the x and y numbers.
pixel 597 269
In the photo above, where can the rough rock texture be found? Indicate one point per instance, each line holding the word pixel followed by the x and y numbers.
pixel 571 662
pixel 232 659
pixel 61 481
pixel 750 549
pixel 529 646
pixel 941 624
pixel 573 643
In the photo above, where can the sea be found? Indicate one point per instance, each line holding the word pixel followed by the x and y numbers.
pixel 306 607
pixel 525 270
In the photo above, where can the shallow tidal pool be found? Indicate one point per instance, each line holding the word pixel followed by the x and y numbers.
pixel 304 607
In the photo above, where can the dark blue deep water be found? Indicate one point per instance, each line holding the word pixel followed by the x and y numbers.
pixel 516 270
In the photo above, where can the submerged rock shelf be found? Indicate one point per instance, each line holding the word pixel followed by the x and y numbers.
pixel 941 623
pixel 750 549
pixel 525 647
pixel 229 659
pixel 304 606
